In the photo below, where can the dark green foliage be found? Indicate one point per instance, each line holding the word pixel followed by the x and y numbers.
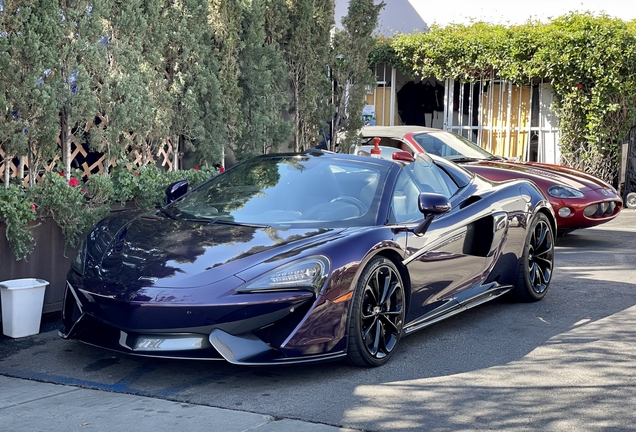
pixel 145 186
pixel 351 74
pixel 191 99
pixel 263 83
pixel 76 34
pixel 225 24
pixel 29 124
pixel 76 205
pixel 65 201
pixel 131 76
pixel 16 211
pixel 307 58
pixel 125 105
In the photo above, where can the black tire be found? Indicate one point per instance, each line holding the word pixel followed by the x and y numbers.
pixel 537 261
pixel 630 200
pixel 377 314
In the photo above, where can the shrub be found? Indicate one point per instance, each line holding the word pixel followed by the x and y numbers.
pixel 17 211
pixel 70 205
pixel 76 205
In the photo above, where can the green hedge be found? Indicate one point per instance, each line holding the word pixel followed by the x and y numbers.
pixel 76 205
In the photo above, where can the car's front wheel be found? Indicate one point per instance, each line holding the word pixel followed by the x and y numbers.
pixel 537 261
pixel 377 314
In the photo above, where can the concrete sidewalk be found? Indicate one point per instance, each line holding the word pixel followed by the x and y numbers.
pixel 27 405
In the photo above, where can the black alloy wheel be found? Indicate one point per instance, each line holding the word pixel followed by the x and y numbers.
pixel 537 262
pixel 377 314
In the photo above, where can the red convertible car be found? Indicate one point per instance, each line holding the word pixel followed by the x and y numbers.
pixel 580 200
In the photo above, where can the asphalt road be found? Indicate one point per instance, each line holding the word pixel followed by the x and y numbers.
pixel 565 363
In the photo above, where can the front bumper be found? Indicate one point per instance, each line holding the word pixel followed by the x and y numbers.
pixel 240 332
pixel 586 214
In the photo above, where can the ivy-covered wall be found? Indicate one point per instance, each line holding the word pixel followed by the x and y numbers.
pixel 590 61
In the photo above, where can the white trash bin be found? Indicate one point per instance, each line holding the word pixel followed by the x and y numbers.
pixel 22 302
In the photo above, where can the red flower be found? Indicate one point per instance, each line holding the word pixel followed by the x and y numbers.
pixel 84 190
pixel 61 173
pixel 222 169
pixel 33 207
pixel 73 182
pixel 196 168
pixel 135 172
pixel 580 86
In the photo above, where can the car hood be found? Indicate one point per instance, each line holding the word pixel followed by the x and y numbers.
pixel 541 172
pixel 152 250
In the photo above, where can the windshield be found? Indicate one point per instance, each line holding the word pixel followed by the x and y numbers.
pixel 452 147
pixel 288 190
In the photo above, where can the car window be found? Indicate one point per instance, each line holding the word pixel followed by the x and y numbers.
pixel 451 185
pixel 457 174
pixel 415 178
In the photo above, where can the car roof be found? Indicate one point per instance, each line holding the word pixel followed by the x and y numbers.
pixel 395 131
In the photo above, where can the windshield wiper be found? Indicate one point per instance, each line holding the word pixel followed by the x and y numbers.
pixel 464 159
pixel 167 213
pixel 198 220
pixel 242 224
pixel 210 221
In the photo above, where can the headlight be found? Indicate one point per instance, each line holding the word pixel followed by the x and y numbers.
pixel 559 191
pixel 308 273
pixel 79 263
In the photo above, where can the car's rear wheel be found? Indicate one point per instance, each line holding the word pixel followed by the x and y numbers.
pixel 537 261
pixel 630 200
pixel 377 314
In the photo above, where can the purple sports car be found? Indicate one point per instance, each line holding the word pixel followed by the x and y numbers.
pixel 291 258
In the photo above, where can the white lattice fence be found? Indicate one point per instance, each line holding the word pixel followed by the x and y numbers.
pixel 90 163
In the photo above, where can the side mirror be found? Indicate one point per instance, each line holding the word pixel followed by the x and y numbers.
pixel 430 204
pixel 176 190
pixel 433 203
pixel 403 156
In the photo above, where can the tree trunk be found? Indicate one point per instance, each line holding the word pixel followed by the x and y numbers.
pixel 32 162
pixel 175 150
pixel 21 169
pixel 107 162
pixel 296 114
pixel 145 150
pixel 7 170
pixel 66 145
